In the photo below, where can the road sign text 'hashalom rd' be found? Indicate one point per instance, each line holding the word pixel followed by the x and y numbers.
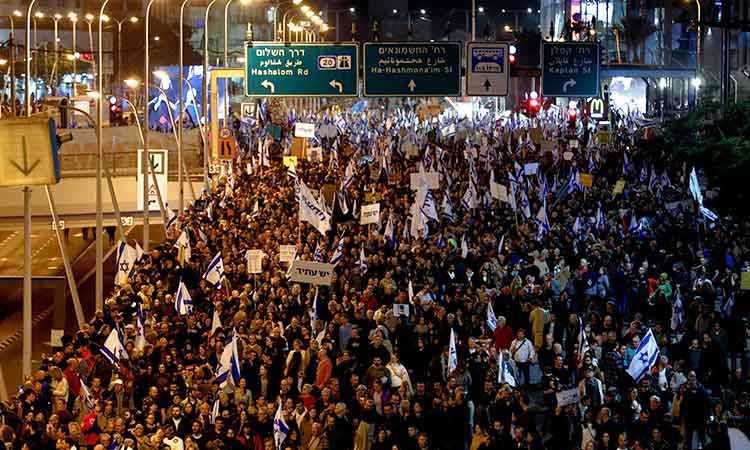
pixel 274 69
pixel 417 69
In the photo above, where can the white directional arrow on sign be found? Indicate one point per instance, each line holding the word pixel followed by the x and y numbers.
pixel 268 85
pixel 337 85
pixel 570 83
pixel 412 85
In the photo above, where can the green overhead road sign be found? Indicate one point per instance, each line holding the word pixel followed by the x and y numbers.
pixel 570 69
pixel 412 69
pixel 275 69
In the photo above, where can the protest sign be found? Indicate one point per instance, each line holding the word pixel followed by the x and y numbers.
pixel 315 154
pixel 290 161
pixel 499 191
pixel 568 397
pixel 432 179
pixel 370 214
pixel 400 309
pixel 254 260
pixel 304 130
pixel 586 179
pixel 619 187
pixel 286 253
pixel 312 272
pixel 530 168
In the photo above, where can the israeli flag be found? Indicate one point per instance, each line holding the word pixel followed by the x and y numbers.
pixel 447 208
pixel 634 226
pixel 228 369
pixel 708 214
pixel 645 357
pixel 280 428
pixel 599 217
pixel 318 255
pixel 126 258
pixel 388 235
pixel 216 410
pixel 410 291
pixel 339 252
pixel 464 247
pixel 542 218
pixel 184 303
pixel 171 218
pixel 695 188
pixel 215 271
pixel 504 374
pixel 114 349
pixel 140 331
pixel 452 353
pixel 292 172
pixel 469 200
pixel 525 208
pixel 625 163
pixel 677 313
pixel 491 318
pixel 183 248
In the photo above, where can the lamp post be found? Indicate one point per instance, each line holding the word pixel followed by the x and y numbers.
pixel 56 68
pixel 99 162
pixel 12 65
pixel 74 20
pixel 132 19
pixel 37 15
pixel 698 39
pixel 226 60
pixel 144 159
pixel 181 199
pixel 204 97
pixel 275 15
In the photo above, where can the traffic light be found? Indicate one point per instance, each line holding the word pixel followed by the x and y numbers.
pixel 533 104
pixel 512 53
pixel 115 112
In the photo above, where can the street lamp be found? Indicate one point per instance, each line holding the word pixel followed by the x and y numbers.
pixel 204 97
pixel 181 195
pixel 144 159
pixel 11 67
pixel 120 23
pixel 74 21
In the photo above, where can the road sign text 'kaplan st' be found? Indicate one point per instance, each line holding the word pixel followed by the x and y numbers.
pixel 570 69
pixel 275 69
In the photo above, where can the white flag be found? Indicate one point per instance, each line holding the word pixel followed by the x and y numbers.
pixel 215 322
pixel 411 293
pixel 311 212
pixel 183 248
pixel 140 331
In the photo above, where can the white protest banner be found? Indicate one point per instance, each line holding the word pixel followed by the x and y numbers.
pixel 369 214
pixel 254 260
pixel 568 397
pixel 530 168
pixel 304 130
pixel 315 154
pixel 286 253
pixel 400 309
pixel 499 191
pixel 432 178
pixel 313 272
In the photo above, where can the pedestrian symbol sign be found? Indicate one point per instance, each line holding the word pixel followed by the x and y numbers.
pixel 487 69
pixel 227 144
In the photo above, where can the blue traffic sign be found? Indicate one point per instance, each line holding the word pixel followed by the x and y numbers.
pixel 275 69
pixel 412 69
pixel 570 69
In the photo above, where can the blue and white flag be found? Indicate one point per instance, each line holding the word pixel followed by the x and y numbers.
pixel 695 188
pixel 314 313
pixel 708 214
pixel 228 369
pixel 599 217
pixel 464 247
pixel 171 218
pixel 339 252
pixel 280 428
pixel 183 248
pixel 525 207
pixel 491 317
pixel 577 227
pixel 292 172
pixel 184 303
pixel 114 349
pixel 362 260
pixel 140 330
pixel 645 357
pixel 542 219
pixel 500 245
pixel 318 255
pixel 504 374
pixel 625 163
pixel 678 313
pixel 215 271
pixel 469 200
pixel 310 211
pixel 452 353
pixel 634 225
pixel 388 235
pixel 125 262
pixel 216 410
pixel 447 208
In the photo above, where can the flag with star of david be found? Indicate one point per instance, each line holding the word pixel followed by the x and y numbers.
pixel 645 357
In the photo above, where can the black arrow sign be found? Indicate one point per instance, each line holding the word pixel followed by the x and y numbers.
pixel 25 170
pixel 487 85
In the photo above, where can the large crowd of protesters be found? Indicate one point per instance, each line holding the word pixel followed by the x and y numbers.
pixel 572 287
